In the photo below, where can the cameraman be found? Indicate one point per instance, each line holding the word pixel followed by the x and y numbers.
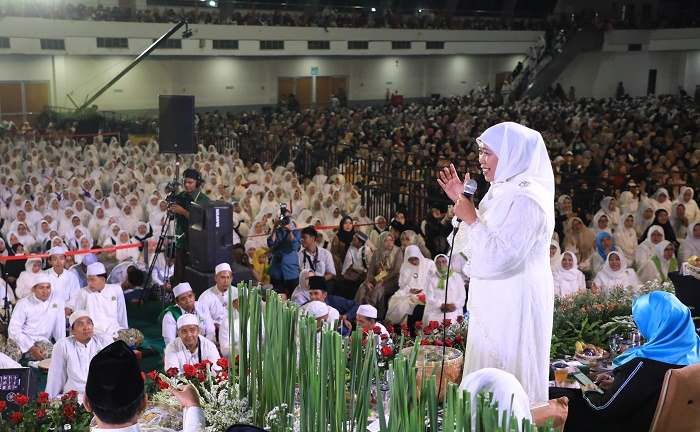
pixel 180 205
pixel 284 244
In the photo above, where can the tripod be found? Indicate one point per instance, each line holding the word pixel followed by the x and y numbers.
pixel 170 216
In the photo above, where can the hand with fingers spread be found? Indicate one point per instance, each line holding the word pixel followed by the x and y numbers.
pixel 450 182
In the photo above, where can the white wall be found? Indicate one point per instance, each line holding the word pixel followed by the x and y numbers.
pixel 597 74
pixel 229 81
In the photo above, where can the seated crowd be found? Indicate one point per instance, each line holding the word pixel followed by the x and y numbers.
pixel 625 169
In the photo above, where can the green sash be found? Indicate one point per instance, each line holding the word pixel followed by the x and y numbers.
pixel 673 266
pixel 172 309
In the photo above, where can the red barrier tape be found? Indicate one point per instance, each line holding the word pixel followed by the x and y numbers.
pixel 73 252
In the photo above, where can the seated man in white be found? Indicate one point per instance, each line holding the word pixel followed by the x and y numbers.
pixel 366 318
pixel 37 319
pixel 64 283
pixel 225 328
pixel 185 304
pixel 104 302
pixel 71 356
pixel 189 347
pixel 214 299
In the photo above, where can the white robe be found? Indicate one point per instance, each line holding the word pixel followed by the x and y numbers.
pixel 66 285
pixel 568 282
pixel 192 421
pixel 70 361
pixel 107 308
pixel 7 363
pixel 435 297
pixel 411 277
pixel 34 320
pixel 206 324
pixel 213 301
pixel 177 355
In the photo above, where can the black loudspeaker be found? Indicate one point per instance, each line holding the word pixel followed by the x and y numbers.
pixel 199 281
pixel 176 124
pixel 210 235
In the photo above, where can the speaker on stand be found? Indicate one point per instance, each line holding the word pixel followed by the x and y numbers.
pixel 176 124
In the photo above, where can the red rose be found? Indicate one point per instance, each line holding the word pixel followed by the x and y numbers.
pixel 404 325
pixel 419 325
pixel 222 363
pixel 204 364
pixel 152 375
pixel 200 376
pixel 69 412
pixel 387 351
pixel 448 342
pixel 377 330
pixel 447 322
pixel 3 406
pixel 424 341
pixel 70 395
pixel 365 330
pixel 172 372
pixel 438 342
pixel 16 417
pixel 40 413
pixel 390 328
pixel 434 324
pixel 421 297
pixel 384 336
pixel 189 370
pixel 162 384
pixel 459 339
pixel 21 400
pixel 460 319
pixel 42 398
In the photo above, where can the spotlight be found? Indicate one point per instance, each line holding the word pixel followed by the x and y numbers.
pixel 420 10
pixel 374 9
pixel 212 3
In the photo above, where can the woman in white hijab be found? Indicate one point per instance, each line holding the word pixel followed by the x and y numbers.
pixel 608 206
pixel 507 243
pixel 258 238
pixel 413 279
pixel 441 279
pixel 646 249
pixel 554 255
pixel 628 203
pixel 568 279
pixel 691 245
pixel 110 208
pixel 691 206
pixel 128 220
pixel 25 281
pixel 601 223
pixel 661 264
pixel 661 200
pixel 679 220
pixel 98 222
pixel 128 254
pixel 626 238
pixel 615 274
pixel 645 217
pixel 25 237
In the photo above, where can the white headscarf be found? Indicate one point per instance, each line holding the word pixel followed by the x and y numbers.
pixel 555 261
pixel 415 276
pixel 626 238
pixel 607 278
pixel 524 168
pixel 691 245
pixel 691 206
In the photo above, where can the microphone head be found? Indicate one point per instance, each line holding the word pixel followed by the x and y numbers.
pixel 469 188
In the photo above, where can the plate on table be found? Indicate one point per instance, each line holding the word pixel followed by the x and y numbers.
pixel 44 364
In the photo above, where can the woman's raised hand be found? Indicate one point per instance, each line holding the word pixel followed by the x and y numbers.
pixel 449 182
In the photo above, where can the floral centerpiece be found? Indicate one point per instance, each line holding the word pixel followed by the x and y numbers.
pixel 218 395
pixel 43 414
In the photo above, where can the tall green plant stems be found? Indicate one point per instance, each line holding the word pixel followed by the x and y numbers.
pixel 297 379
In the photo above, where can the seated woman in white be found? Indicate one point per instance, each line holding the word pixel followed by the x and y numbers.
pixel 413 279
pixel 625 238
pixel 189 347
pixel 661 264
pixel 615 274
pixel 554 255
pixel 25 281
pixel 435 303
pixel 568 279
pixel 691 245
pixel 646 249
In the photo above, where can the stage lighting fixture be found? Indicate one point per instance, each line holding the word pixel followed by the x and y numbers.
pixel 374 9
pixel 212 3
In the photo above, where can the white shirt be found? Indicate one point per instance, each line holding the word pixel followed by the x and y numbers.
pixel 177 355
pixel 192 421
pixel 356 259
pixel 225 335
pixel 7 363
pixel 70 363
pixel 213 301
pixel 319 263
pixel 65 285
pixel 34 320
pixel 206 324
pixel 107 308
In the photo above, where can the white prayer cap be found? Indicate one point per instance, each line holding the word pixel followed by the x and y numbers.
pixel 367 311
pixel 75 316
pixel 187 319
pixel 57 250
pixel 181 288
pixel 96 269
pixel 40 278
pixel 317 309
pixel 222 267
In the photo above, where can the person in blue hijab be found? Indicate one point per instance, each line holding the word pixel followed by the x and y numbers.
pixel 604 244
pixel 631 393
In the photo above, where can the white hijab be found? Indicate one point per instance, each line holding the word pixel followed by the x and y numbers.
pixel 555 261
pixel 691 245
pixel 607 278
pixel 415 276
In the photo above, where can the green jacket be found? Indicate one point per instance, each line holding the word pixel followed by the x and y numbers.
pixel 182 224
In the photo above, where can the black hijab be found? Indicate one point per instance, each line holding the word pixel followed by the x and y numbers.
pixel 669 234
pixel 345 236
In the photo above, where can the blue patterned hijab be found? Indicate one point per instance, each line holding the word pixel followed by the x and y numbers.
pixel 599 243
pixel 666 325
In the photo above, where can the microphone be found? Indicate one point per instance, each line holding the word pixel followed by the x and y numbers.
pixel 469 188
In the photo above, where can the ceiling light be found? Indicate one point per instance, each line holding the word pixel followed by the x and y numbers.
pixel 374 9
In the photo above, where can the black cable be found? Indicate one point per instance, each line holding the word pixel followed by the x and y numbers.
pixel 444 312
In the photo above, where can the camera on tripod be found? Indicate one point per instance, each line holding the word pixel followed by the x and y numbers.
pixel 284 211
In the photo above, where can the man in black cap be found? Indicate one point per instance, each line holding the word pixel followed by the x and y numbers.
pixel 114 393
pixel 318 291
pixel 182 202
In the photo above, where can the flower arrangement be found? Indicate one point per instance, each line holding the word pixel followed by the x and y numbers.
pixel 218 395
pixel 43 414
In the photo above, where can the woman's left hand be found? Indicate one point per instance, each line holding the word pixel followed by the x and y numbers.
pixel 450 183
